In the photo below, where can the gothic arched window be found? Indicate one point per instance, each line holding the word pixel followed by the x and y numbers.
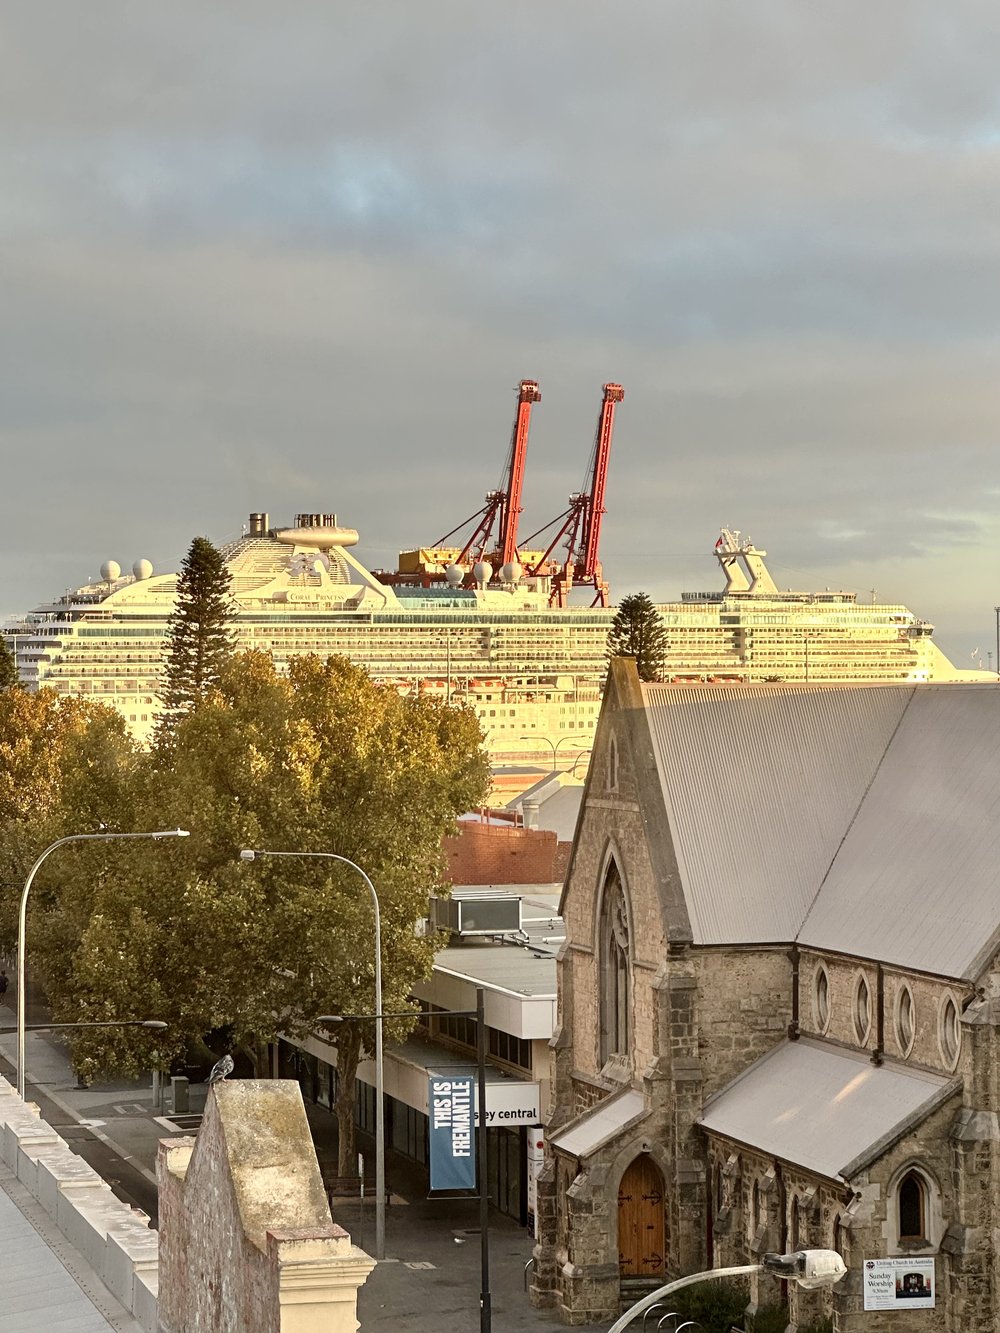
pixel 614 968
pixel 911 1198
pixel 794 1225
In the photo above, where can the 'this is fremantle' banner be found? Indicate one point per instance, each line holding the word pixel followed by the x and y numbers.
pixel 453 1159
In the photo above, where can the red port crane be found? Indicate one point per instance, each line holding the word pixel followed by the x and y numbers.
pixel 581 522
pixel 503 504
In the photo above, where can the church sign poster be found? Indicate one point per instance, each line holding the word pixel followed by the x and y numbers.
pixel 899 1284
pixel 453 1159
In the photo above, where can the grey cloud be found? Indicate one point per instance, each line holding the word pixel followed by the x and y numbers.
pixel 287 256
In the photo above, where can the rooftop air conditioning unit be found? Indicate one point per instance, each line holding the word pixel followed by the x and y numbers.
pixel 477 914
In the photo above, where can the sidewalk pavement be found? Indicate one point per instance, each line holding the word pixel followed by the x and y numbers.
pixel 432 1275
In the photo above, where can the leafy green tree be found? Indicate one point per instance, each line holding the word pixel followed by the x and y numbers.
pixel 201 640
pixel 320 760
pixel 8 666
pixel 637 631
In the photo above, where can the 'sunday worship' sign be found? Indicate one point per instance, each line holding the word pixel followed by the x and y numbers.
pixel 452 1140
pixel 899 1284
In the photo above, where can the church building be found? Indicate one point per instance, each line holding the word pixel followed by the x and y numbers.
pixel 779 1003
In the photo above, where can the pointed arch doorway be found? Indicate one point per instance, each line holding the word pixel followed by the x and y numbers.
pixel 642 1220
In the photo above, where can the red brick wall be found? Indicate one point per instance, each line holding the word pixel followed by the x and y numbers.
pixel 499 854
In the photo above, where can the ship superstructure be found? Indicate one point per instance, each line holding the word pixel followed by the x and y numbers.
pixel 527 668
pixel 752 631
pixel 531 670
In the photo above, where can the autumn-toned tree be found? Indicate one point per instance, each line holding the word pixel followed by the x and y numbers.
pixel 637 631
pixel 201 640
pixel 66 766
pixel 320 760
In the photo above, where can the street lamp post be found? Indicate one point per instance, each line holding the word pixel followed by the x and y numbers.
pixel 482 1155
pixel 810 1269
pixel 554 745
pixel 248 854
pixel 73 837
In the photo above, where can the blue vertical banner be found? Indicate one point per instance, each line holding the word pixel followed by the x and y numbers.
pixel 451 1101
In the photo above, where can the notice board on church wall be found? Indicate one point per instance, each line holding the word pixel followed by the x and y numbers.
pixel 899 1284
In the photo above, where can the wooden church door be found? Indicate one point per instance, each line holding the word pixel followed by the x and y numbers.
pixel 641 1214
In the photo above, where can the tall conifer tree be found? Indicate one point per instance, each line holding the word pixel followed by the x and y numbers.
pixel 637 631
pixel 201 641
pixel 8 666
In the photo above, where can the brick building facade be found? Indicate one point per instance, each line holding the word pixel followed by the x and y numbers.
pixel 779 1001
pixel 497 849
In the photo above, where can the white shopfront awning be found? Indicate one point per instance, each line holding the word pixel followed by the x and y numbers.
pixel 408 1066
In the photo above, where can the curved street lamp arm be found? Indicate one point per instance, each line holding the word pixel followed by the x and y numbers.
pixel 741 1270
pixel 22 915
pixel 248 854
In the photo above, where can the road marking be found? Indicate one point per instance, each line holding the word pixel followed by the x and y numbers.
pixel 419 1264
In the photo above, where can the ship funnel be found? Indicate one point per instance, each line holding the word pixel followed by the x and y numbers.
pixel 258 525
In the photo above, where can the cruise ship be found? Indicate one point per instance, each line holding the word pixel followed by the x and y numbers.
pixel 532 670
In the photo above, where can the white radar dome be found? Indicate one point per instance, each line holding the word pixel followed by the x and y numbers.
pixel 510 572
pixel 482 571
pixel 110 571
pixel 454 574
pixel 142 569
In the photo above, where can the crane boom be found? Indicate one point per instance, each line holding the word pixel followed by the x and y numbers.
pixel 581 522
pixel 591 565
pixel 503 507
pixel 510 510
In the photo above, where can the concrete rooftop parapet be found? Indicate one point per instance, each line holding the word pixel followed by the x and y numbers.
pixel 115 1240
pixel 59 1171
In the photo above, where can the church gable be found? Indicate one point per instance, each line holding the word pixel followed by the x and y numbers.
pixel 621 903
pixel 622 803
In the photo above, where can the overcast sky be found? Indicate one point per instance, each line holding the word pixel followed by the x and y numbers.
pixel 297 256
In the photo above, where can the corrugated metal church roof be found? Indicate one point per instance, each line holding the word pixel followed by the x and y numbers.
pixel 822 1108
pixel 760 785
pixel 915 882
pixel 862 819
